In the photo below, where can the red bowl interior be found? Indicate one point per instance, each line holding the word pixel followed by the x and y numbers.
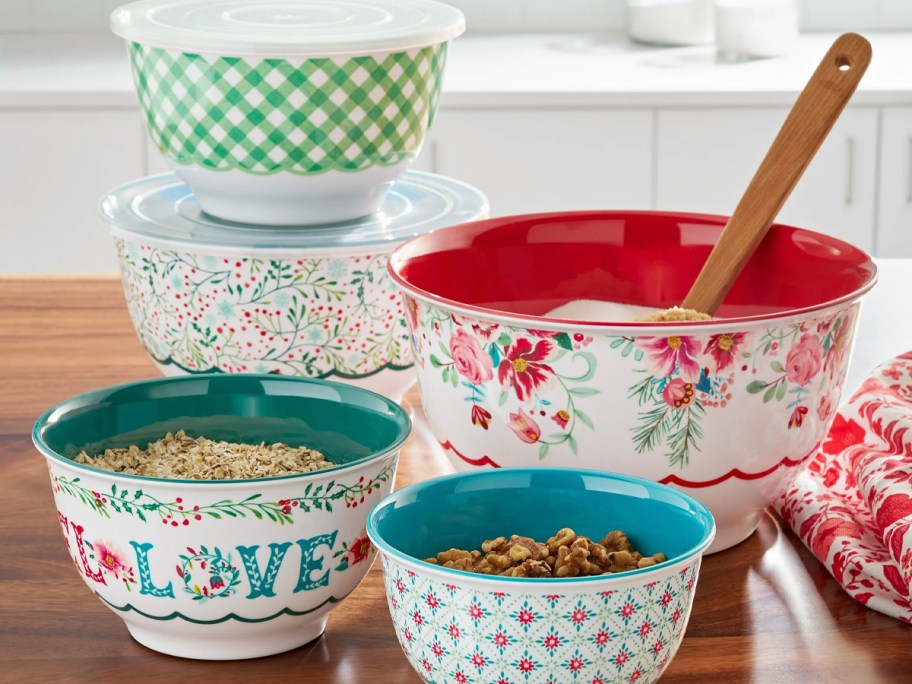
pixel 530 264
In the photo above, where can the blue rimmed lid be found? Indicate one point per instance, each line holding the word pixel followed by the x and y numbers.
pixel 163 210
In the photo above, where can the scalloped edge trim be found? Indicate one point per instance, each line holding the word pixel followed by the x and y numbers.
pixel 331 374
pixel 231 616
pixel 669 479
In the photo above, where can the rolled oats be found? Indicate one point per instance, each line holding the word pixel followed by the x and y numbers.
pixel 182 457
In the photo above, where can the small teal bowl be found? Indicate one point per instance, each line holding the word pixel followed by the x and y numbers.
pixel 456 626
pixel 223 569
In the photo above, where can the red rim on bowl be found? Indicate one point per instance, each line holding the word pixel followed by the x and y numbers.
pixel 521 267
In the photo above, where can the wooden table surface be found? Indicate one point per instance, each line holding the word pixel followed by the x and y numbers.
pixel 765 611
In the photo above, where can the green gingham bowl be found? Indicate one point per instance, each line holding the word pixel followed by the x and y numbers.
pixel 296 112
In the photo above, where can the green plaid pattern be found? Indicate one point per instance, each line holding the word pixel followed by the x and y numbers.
pixel 276 115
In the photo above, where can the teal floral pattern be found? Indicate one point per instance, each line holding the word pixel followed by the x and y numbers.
pixel 318 317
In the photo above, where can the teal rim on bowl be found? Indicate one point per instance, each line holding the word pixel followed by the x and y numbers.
pixel 350 425
pixel 462 510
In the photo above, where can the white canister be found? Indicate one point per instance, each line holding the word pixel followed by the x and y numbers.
pixel 747 29
pixel 670 22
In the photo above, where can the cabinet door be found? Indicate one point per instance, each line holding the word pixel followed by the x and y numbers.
pixel 894 217
pixel 706 157
pixel 547 160
pixel 54 168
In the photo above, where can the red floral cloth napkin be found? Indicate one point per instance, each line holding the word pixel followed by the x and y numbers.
pixel 852 504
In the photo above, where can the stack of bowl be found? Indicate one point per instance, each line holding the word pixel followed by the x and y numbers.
pixel 290 127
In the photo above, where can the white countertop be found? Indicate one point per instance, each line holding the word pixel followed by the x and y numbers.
pixel 884 327
pixel 510 70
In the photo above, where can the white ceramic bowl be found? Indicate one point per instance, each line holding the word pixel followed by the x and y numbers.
pixel 291 112
pixel 456 626
pixel 721 408
pixel 209 296
pixel 220 570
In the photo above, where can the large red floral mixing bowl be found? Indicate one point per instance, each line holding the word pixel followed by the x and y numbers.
pixel 720 408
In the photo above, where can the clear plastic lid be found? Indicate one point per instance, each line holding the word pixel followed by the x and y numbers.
pixel 287 28
pixel 162 210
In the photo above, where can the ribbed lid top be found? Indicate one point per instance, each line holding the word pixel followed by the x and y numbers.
pixel 287 28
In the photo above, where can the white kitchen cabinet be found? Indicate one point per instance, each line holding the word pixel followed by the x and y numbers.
pixel 707 156
pixel 894 217
pixel 55 165
pixel 529 160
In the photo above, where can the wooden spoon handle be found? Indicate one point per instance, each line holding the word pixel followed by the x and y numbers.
pixel 812 116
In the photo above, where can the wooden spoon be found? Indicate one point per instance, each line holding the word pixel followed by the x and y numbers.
pixel 807 125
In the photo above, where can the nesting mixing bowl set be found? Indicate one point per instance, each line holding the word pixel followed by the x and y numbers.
pixel 291 248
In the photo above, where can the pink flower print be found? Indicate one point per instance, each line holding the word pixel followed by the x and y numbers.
pixel 678 394
pixel 525 665
pixel 635 675
pixel 676 616
pixel 522 366
pixel 804 360
pixel 551 641
pixel 627 610
pixel 478 660
pixel 432 601
pixel 454 631
pixel 575 664
pixel 411 310
pixel 524 427
pixel 500 639
pixel 621 658
pixel 667 353
pixel 460 677
pixel 525 617
pixel 797 417
pixel 476 612
pixel 826 406
pixel 722 348
pixel 666 598
pixel 426 664
pixel 469 358
pixel 645 629
pixel 417 618
pixel 110 558
pixel 601 638
pixel 579 616
pixel 657 648
pixel 400 585
pixel 437 649
pixel 480 416
pixel 407 633
pixel 561 418
pixel 359 550
pixel 838 349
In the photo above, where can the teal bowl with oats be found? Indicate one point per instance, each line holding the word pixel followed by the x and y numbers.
pixel 222 569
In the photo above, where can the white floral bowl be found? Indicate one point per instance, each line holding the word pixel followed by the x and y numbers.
pixel 721 408
pixel 208 296
pixel 221 570
pixel 456 626
pixel 293 111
